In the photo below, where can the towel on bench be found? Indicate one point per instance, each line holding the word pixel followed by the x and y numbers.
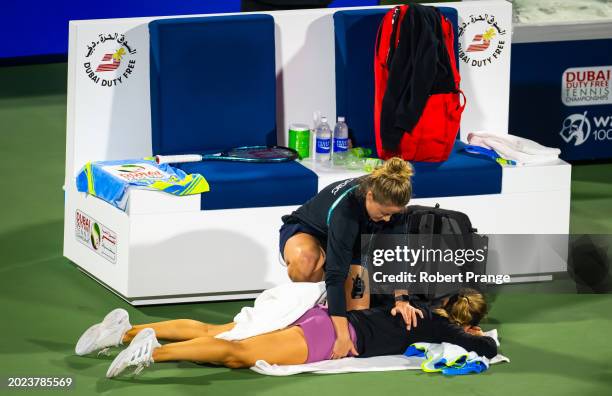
pixel 521 150
pixel 110 180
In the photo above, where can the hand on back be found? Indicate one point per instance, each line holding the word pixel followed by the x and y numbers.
pixel 408 312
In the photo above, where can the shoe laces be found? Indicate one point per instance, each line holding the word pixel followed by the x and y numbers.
pixel 141 367
pixel 104 352
pixel 142 357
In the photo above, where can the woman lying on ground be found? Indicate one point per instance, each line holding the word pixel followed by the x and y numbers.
pixel 310 339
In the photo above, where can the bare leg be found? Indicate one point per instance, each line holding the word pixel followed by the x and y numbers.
pixel 179 330
pixel 304 257
pixel 287 346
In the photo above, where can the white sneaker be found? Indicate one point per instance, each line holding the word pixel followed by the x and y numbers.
pixel 103 335
pixel 139 353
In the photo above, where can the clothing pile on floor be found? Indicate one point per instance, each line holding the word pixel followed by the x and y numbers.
pixel 450 359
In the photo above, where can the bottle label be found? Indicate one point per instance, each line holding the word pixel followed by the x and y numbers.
pixel 340 145
pixel 323 146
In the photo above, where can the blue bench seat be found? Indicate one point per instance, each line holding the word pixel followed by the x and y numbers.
pixel 213 87
pixel 461 174
pixel 244 185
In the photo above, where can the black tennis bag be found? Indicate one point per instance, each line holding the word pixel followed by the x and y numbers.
pixel 434 220
pixel 436 228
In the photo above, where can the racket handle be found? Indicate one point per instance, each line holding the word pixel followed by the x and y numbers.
pixel 177 159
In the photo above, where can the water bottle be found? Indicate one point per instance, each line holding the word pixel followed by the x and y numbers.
pixel 341 136
pixel 323 141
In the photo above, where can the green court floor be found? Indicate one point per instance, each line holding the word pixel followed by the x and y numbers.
pixel 559 344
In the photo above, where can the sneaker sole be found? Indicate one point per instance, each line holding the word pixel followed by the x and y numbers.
pixel 87 341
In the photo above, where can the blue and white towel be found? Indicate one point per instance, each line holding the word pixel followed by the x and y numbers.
pixel 520 150
pixel 451 359
pixel 110 180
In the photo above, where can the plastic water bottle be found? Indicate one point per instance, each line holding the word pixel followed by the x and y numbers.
pixel 323 141
pixel 341 136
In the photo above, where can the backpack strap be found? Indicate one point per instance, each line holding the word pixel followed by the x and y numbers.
pixel 462 95
pixel 397 12
pixel 449 43
pixel 337 202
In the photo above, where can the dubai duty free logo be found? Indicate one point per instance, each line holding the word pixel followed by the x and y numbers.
pixel 587 86
pixel 109 61
pixel 481 40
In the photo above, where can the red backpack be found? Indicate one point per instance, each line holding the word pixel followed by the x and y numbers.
pixel 433 136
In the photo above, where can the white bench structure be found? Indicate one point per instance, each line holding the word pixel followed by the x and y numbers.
pixel 165 249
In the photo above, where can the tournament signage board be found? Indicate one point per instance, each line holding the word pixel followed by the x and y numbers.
pixel 561 92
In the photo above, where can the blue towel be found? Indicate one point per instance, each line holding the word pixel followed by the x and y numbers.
pixel 110 180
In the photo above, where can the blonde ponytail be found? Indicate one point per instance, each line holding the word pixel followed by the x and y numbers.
pixel 469 307
pixel 390 183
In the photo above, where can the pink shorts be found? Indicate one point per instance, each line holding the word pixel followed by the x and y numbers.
pixel 320 334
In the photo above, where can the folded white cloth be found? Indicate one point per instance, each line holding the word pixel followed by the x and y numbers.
pixel 339 366
pixel 521 150
pixel 377 363
pixel 275 309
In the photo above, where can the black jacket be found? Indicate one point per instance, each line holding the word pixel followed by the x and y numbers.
pixel 379 333
pixel 348 220
pixel 418 67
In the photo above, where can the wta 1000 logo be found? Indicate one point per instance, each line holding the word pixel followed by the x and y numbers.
pixel 580 128
pixel 109 60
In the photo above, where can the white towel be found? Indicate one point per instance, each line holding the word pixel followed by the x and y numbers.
pixel 358 365
pixel 339 366
pixel 275 309
pixel 521 150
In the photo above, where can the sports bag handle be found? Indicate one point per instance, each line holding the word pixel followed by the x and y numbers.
pixel 462 95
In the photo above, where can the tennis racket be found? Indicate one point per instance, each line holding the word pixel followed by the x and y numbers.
pixel 255 154
pixel 488 153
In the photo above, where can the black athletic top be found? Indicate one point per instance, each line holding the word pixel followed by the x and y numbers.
pixel 347 221
pixel 379 333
